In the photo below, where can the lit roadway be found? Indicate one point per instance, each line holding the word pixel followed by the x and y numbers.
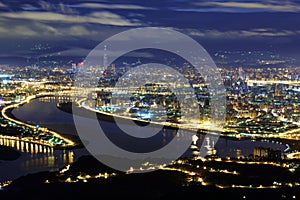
pixel 187 126
pixel 81 92
pixel 68 143
pixel 287 82
pixel 293 134
pixel 26 140
pixel 206 125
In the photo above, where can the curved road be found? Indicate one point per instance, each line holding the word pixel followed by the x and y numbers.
pixel 68 143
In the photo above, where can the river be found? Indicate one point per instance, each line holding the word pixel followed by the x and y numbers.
pixel 45 113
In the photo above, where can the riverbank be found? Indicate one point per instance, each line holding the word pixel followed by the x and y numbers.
pixel 102 116
pixel 290 145
pixel 70 141
pixel 73 138
pixel 85 111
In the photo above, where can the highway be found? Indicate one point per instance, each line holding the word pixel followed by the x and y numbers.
pixel 265 82
pixel 25 144
pixel 68 143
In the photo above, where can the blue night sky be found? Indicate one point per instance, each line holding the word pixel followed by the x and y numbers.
pixel 73 28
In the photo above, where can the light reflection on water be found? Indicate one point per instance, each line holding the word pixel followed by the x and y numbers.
pixel 34 158
pixel 24 146
pixel 37 158
pixel 51 160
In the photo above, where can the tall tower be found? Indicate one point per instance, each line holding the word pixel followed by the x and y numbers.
pixel 277 91
pixel 74 67
pixel 105 61
pixel 113 67
pixel 241 73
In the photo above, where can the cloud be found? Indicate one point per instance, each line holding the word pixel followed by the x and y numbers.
pixel 2 5
pixel 104 17
pixel 66 9
pixel 54 30
pixel 21 30
pixel 79 31
pixel 38 29
pixel 241 33
pixel 24 30
pixel 45 5
pixel 267 33
pixel 114 6
pixel 267 6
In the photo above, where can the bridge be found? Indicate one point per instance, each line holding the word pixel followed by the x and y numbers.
pixel 25 144
pixel 68 142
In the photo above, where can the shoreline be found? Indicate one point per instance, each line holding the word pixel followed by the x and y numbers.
pixel 78 143
pixel 101 116
pixel 6 113
pixel 67 107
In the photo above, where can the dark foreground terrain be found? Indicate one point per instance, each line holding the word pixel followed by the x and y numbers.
pixel 88 178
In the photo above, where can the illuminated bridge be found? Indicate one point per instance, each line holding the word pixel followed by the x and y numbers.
pixel 45 130
pixel 25 144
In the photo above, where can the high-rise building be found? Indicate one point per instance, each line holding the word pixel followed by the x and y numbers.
pixel 268 153
pixel 74 67
pixel 241 74
pixel 105 59
pixel 260 152
pixel 113 67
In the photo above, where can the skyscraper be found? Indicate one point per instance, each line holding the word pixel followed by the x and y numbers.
pixel 105 61
pixel 241 74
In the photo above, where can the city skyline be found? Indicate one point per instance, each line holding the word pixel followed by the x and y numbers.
pixel 170 99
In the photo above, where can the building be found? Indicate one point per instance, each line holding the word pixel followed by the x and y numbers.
pixel 267 153
pixel 260 152
pixel 238 153
pixel 4 78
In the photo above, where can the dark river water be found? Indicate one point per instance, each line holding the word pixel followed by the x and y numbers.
pixel 46 114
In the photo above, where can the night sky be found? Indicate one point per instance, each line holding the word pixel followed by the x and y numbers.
pixel 60 29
